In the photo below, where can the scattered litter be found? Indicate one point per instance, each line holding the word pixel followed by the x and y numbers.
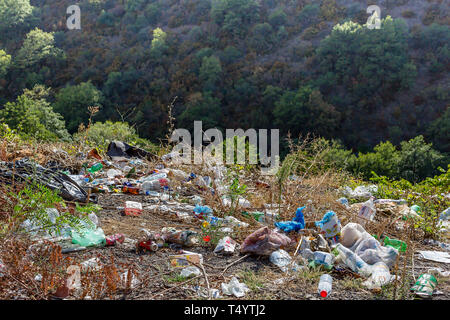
pixel 226 245
pixel 234 287
pixel 296 224
pixel 360 192
pixel 203 292
pixel 116 238
pixel 330 226
pixel 367 212
pixel 325 285
pixel 133 208
pixel 380 276
pixel 439 272
pixel 185 258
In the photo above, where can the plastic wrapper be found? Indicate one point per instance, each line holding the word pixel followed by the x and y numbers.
pixel 235 288
pixel 226 245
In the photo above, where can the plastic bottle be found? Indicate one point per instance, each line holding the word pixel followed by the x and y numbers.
pixel 155 176
pixel 96 167
pixel 325 285
pixel 154 185
pixel 353 261
pixel 380 274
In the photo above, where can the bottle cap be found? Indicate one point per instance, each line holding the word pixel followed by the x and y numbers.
pixel 323 294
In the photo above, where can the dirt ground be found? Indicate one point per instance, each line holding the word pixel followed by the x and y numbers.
pixel 159 281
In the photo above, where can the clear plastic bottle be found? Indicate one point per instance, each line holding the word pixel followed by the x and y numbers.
pixel 154 185
pixel 325 285
pixel 380 274
pixel 155 176
pixel 353 261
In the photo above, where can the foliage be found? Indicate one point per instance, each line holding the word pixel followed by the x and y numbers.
pixel 38 45
pixel 73 102
pixel 305 111
pixel 14 12
pixel 5 62
pixel 100 134
pixel 31 115
pixel 32 204
pixel 429 194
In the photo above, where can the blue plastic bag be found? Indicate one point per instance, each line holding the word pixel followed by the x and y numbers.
pixel 296 224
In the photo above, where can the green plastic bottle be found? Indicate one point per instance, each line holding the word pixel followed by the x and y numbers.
pixel 96 167
pixel 394 243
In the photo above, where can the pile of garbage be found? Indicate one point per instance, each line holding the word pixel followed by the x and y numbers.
pixel 323 244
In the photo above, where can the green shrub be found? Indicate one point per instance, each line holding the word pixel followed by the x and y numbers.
pixel 100 134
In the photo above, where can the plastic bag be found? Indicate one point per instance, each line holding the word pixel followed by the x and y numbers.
pixel 190 271
pixel 296 224
pixel 234 287
pixel 265 241
pixel 89 237
pixel 330 226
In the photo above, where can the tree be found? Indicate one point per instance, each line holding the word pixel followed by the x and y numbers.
pixel 206 109
pixel 158 43
pixel 5 62
pixel 383 161
pixel 234 16
pixel 261 37
pixel 210 72
pixel 418 159
pixel 73 102
pixel 38 45
pixel 439 131
pixel 33 116
pixel 277 18
pixel 305 111
pixel 14 12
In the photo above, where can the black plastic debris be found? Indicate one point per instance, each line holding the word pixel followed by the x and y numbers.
pixel 31 172
pixel 118 150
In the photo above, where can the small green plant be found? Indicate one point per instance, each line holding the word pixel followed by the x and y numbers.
pixel 236 191
pixel 33 203
pixel 174 278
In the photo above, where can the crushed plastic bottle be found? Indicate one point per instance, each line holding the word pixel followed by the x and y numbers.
pixel 380 276
pixel 353 261
pixel 155 176
pixel 325 285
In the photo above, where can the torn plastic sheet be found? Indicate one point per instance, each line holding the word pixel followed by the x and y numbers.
pixel 438 256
